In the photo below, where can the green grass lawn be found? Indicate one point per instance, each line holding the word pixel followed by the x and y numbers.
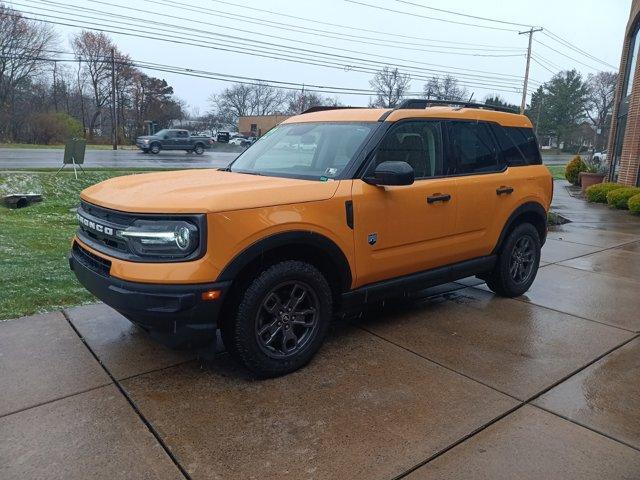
pixel 35 241
pixel 557 171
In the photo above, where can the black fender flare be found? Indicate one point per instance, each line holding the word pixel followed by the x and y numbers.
pixel 253 252
pixel 528 208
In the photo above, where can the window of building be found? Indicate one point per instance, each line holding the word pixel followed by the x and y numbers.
pixel 473 148
pixel 634 45
pixel 254 127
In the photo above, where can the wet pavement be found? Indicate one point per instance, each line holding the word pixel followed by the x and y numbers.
pixel 12 158
pixel 456 384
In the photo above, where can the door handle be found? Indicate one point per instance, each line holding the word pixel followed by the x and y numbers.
pixel 504 190
pixel 439 197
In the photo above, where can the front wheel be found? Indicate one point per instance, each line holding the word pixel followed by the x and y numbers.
pixel 517 263
pixel 281 320
pixel 199 149
pixel 155 148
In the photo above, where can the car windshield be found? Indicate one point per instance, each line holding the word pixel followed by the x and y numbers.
pixel 318 151
pixel 162 132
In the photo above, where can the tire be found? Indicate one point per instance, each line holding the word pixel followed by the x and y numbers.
pixel 517 263
pixel 267 335
pixel 198 149
pixel 155 148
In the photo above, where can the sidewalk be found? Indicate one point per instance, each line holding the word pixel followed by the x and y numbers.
pixel 460 384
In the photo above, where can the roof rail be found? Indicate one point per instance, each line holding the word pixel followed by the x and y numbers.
pixel 420 103
pixel 320 108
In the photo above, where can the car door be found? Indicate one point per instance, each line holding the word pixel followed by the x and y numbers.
pixel 169 140
pixel 182 141
pixel 484 187
pixel 399 230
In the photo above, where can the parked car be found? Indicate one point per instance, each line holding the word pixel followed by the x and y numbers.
pixel 222 137
pixel 600 157
pixel 243 141
pixel 267 250
pixel 173 139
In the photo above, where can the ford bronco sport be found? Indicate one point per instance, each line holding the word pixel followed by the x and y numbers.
pixel 331 209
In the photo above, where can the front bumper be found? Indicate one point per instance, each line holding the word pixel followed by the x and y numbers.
pixel 142 145
pixel 174 314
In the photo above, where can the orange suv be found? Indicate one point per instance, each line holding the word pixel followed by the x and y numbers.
pixel 332 209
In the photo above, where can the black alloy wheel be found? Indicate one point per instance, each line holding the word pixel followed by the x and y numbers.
pixel 287 319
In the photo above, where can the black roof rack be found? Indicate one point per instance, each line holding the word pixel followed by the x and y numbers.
pixel 420 103
pixel 320 108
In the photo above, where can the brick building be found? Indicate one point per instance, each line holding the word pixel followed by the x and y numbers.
pixel 624 137
pixel 258 125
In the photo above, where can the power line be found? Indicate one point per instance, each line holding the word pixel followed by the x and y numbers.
pixel 464 14
pixel 548 33
pixel 332 34
pixel 540 63
pixel 430 18
pixel 251 32
pixel 568 44
pixel 567 56
pixel 348 27
pixel 477 82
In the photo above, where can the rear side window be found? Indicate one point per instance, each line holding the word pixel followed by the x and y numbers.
pixel 519 145
pixel 472 148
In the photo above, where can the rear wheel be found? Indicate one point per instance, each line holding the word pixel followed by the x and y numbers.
pixel 199 149
pixel 155 148
pixel 281 320
pixel 517 263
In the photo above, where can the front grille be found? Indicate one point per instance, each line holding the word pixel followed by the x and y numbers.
pixel 99 227
pixel 93 262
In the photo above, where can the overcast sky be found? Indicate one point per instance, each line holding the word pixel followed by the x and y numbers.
pixel 486 60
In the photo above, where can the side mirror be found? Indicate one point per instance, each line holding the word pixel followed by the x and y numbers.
pixel 391 173
pixel 166 137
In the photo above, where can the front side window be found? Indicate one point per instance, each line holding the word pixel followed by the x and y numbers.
pixel 314 150
pixel 419 143
pixel 472 148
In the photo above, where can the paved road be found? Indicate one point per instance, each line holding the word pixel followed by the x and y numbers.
pixel 52 158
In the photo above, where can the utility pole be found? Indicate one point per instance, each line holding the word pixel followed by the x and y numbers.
pixel 114 116
pixel 523 104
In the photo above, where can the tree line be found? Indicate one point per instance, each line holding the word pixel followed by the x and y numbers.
pixel 569 109
pixel 45 100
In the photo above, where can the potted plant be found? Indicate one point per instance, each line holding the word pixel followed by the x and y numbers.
pixel 594 172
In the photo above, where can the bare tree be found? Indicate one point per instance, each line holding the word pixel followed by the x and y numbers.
pixel 23 45
pixel 233 102
pixel 300 100
pixel 266 99
pixel 390 87
pixel 94 51
pixel 602 87
pixel 444 88
pixel 241 100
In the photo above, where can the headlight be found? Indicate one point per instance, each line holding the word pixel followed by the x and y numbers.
pixel 145 140
pixel 161 238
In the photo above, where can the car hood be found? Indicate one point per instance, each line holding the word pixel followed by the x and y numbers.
pixel 203 191
pixel 142 137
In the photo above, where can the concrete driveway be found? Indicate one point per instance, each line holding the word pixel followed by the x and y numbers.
pixel 456 384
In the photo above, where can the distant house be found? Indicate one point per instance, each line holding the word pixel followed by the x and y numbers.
pixel 258 125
